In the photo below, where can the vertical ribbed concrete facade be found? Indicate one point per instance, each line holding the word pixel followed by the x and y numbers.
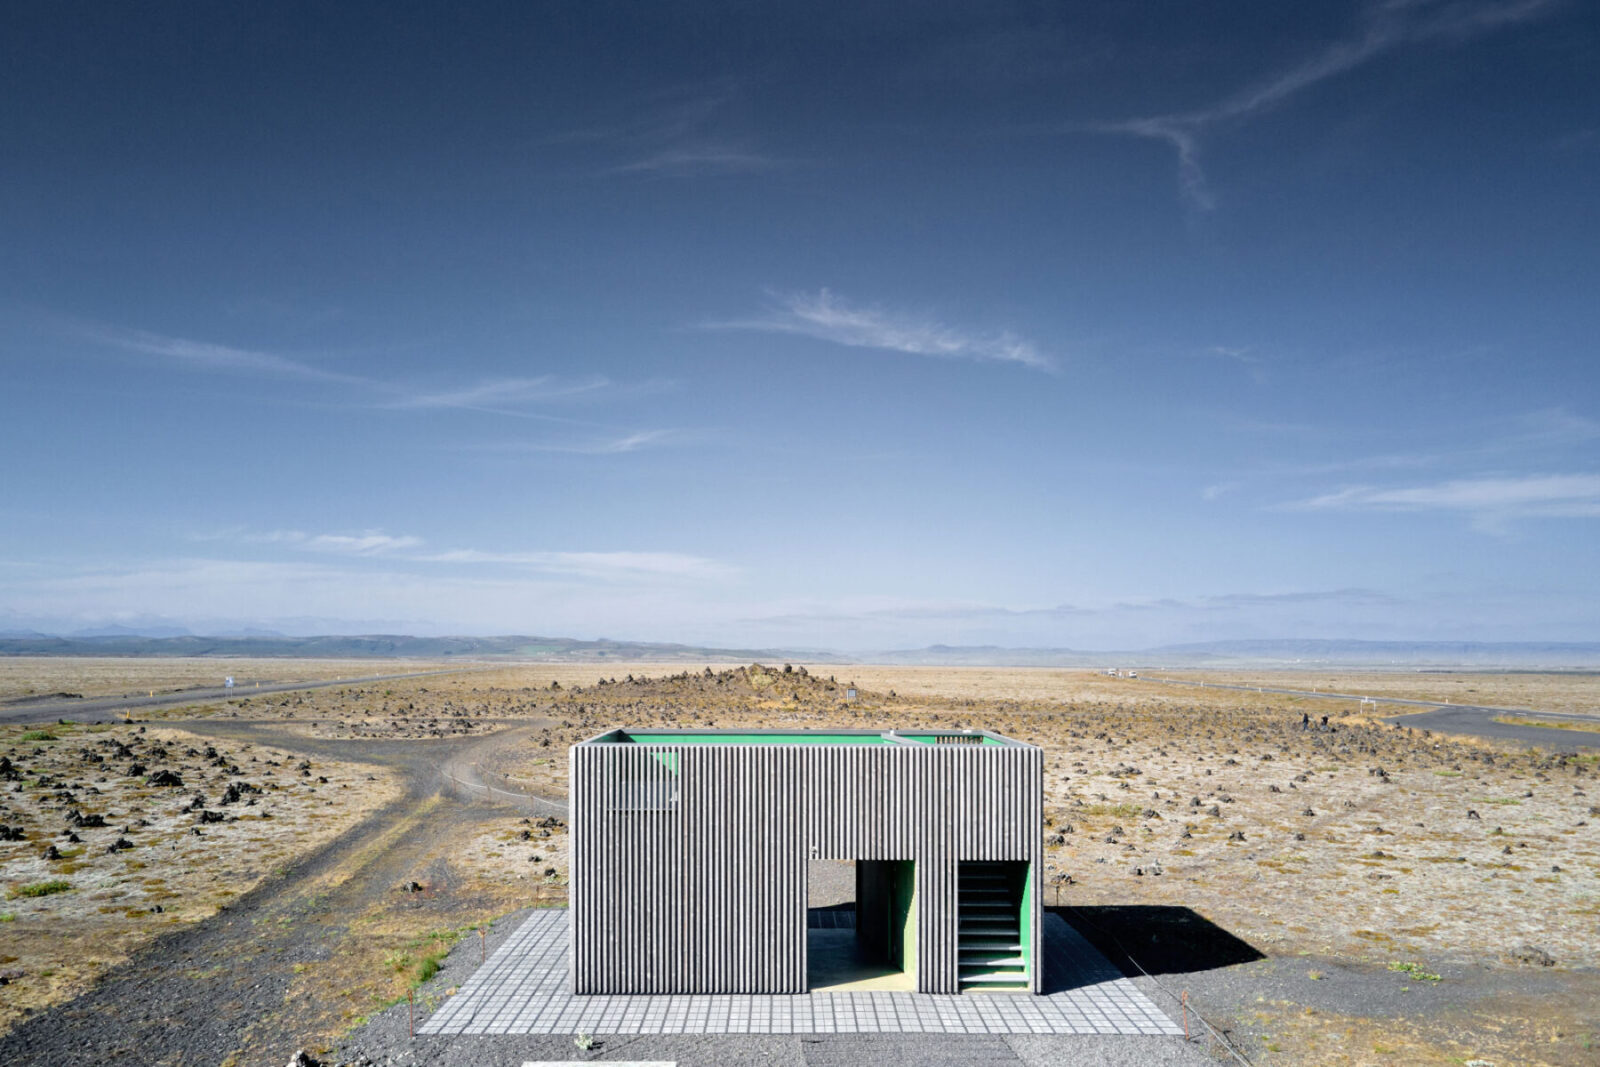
pixel 689 851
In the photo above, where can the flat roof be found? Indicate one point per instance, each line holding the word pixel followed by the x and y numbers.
pixel 628 736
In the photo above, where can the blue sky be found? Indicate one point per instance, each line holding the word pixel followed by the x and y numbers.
pixel 1099 326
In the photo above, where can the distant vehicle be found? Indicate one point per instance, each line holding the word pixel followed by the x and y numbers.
pixel 1133 674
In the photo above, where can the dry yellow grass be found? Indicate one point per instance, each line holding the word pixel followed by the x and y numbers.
pixel 1552 724
pixel 34 676
pixel 1568 692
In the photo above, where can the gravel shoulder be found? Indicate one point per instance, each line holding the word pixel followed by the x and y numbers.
pixel 232 988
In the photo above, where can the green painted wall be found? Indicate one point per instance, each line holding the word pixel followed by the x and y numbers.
pixel 1027 920
pixel 904 894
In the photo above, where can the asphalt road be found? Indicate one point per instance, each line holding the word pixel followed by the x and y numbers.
pixel 110 709
pixel 1475 720
pixel 1480 722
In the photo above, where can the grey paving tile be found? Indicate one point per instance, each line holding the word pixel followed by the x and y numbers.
pixel 523 989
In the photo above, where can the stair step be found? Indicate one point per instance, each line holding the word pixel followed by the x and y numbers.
pixel 994 978
pixel 968 945
pixel 981 961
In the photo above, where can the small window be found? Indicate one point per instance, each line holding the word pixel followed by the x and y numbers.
pixel 651 785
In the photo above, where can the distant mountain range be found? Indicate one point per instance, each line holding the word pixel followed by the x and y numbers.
pixel 387 646
pixel 1522 655
pixel 1267 653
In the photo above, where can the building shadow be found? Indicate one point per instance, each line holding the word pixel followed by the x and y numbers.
pixel 832 917
pixel 1162 939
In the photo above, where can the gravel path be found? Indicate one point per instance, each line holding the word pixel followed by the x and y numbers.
pixel 218 988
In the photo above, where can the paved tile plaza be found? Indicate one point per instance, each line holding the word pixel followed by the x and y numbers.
pixel 523 989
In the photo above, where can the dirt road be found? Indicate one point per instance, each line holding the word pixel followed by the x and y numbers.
pixel 221 988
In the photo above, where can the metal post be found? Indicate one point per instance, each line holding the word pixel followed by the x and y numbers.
pixel 1185 1015
pixel 483 946
pixel 411 1009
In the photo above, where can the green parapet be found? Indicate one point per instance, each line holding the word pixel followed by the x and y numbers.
pixel 647 737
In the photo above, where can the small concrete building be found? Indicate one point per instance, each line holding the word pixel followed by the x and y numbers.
pixel 691 852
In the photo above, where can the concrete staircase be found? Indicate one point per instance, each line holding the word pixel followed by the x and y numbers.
pixel 990 943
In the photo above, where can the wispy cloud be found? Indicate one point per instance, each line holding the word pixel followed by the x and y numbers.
pixel 367 543
pixel 681 135
pixel 1551 427
pixel 599 445
pixel 1534 495
pixel 609 566
pixel 584 596
pixel 1237 354
pixel 970 612
pixel 613 446
pixel 406 548
pixel 500 396
pixel 699 160
pixel 203 355
pixel 1245 601
pixel 1386 26
pixel 828 318
pixel 514 397
pixel 1516 446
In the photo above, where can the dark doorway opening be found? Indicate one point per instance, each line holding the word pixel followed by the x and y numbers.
pixel 861 925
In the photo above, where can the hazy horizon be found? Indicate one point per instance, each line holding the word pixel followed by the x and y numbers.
pixel 869 327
